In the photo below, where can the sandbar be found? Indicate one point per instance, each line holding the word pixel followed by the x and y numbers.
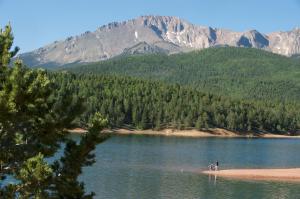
pixel 289 174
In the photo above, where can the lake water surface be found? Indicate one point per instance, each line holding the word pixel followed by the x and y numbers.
pixel 152 167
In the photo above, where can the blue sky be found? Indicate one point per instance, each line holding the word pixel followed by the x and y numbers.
pixel 39 22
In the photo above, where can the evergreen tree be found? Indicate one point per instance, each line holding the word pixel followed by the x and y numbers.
pixel 34 114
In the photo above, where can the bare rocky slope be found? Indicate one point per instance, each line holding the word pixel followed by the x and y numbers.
pixel 155 34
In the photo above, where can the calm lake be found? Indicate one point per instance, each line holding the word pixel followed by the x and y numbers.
pixel 136 167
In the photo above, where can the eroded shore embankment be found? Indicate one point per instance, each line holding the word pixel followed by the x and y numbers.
pixel 216 132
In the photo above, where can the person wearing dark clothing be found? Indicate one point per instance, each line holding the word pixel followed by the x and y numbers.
pixel 216 165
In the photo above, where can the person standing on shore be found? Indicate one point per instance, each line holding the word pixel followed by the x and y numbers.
pixel 217 165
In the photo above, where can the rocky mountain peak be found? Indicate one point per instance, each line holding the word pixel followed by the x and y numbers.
pixel 253 38
pixel 155 34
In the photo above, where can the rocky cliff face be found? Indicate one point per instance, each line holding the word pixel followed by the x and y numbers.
pixel 285 43
pixel 156 34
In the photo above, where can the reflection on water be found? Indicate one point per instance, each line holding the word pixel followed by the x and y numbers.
pixel 162 167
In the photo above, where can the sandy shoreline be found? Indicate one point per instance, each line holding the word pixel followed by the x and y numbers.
pixel 217 132
pixel 176 133
pixel 291 174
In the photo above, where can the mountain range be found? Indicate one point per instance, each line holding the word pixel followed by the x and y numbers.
pixel 155 34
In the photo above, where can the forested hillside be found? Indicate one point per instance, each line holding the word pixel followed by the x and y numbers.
pixel 148 104
pixel 237 72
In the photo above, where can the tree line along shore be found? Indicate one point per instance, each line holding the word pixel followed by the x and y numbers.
pixel 243 90
pixel 144 104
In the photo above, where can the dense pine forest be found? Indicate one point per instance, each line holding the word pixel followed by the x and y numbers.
pixel 145 104
pixel 245 73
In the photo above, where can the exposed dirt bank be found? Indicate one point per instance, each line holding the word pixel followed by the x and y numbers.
pixel 217 132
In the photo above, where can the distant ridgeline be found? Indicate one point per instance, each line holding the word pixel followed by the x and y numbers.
pixel 145 104
pixel 243 73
